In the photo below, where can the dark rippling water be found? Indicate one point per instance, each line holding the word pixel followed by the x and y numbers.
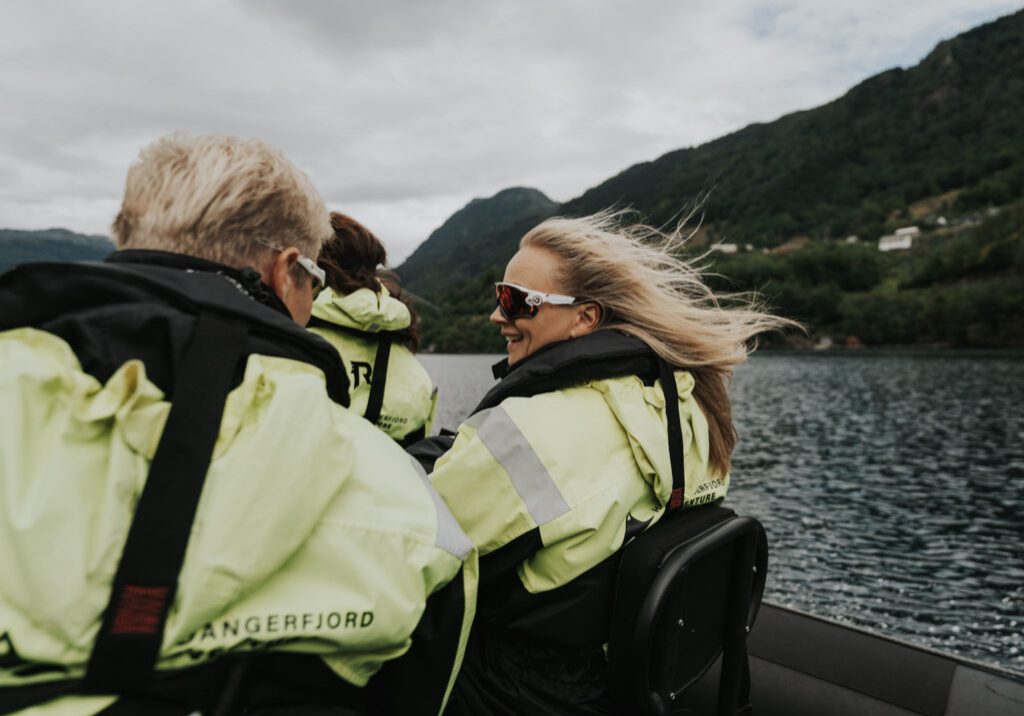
pixel 891 486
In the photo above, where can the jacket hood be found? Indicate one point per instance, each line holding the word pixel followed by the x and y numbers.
pixel 362 310
pixel 640 410
pixel 148 302
pixel 625 371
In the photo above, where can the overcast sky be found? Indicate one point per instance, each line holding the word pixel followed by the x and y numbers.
pixel 404 111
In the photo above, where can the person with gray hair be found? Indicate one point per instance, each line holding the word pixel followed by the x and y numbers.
pixel 241 204
pixel 190 518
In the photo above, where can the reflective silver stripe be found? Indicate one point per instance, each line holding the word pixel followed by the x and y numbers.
pixel 477 419
pixel 450 536
pixel 503 439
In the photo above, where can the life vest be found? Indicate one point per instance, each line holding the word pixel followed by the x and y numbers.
pixel 143 304
pixel 312 532
pixel 577 449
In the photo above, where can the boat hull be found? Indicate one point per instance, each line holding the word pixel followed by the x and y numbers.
pixel 802 665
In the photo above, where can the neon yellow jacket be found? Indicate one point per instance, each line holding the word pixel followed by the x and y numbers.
pixel 352 323
pixel 565 460
pixel 314 533
pixel 576 464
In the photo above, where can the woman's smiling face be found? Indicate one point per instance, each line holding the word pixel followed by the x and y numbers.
pixel 538 269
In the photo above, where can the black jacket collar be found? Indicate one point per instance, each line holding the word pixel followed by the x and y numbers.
pixel 596 356
pixel 144 304
pixel 248 278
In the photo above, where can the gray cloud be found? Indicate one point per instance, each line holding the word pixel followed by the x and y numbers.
pixel 402 112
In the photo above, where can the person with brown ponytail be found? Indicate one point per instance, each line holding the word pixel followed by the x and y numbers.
pixel 363 314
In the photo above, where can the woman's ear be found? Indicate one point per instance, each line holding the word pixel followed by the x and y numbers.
pixel 588 319
pixel 280 275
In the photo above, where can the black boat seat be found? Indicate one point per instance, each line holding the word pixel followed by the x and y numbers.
pixel 688 591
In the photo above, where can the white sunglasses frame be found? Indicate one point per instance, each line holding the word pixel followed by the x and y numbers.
pixel 535 298
pixel 308 264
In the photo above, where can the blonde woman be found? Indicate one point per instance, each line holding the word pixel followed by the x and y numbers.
pixel 616 381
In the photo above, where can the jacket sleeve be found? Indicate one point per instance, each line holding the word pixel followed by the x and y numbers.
pixel 420 681
pixel 427 576
pixel 560 464
pixel 494 482
pixel 428 451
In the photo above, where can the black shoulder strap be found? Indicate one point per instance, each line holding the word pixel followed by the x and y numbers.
pixel 128 643
pixel 675 433
pixel 380 378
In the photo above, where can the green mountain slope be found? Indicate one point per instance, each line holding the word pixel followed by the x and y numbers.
pixel 958 286
pixel 954 122
pixel 18 247
pixel 943 138
pixel 473 239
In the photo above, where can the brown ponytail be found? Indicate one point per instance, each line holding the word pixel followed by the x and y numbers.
pixel 351 257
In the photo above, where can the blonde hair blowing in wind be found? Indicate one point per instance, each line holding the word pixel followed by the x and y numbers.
pixel 645 289
pixel 214 196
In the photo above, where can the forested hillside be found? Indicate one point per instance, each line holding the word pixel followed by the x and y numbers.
pixel 939 145
pixel 802 201
pixel 953 123
pixel 468 242
pixel 18 247
pixel 960 286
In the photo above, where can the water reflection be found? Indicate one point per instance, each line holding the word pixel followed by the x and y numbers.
pixel 891 487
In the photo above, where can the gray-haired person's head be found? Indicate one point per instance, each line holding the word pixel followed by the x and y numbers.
pixel 219 198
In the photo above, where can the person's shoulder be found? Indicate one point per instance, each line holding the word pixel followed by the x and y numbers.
pixel 381 460
pixel 545 417
pixel 408 369
pixel 345 340
pixel 572 397
pixel 387 494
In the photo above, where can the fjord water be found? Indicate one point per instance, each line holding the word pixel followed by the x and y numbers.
pixel 891 486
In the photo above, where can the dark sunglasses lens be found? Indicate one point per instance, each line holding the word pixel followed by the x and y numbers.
pixel 512 303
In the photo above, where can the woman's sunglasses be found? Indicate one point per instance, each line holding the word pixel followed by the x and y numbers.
pixel 518 302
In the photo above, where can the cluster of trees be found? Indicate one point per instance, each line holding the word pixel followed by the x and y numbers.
pixel 992 248
pixel 981 314
pixel 456 321
pixel 808 284
pixel 960 289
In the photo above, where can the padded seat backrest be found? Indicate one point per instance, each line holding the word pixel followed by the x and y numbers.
pixel 687 591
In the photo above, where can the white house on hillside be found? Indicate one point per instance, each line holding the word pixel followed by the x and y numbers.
pixel 902 240
pixel 892 242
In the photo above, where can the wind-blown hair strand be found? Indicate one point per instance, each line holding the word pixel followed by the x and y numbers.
pixel 635 274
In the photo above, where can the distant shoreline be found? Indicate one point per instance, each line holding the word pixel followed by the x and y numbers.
pixel 1015 352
